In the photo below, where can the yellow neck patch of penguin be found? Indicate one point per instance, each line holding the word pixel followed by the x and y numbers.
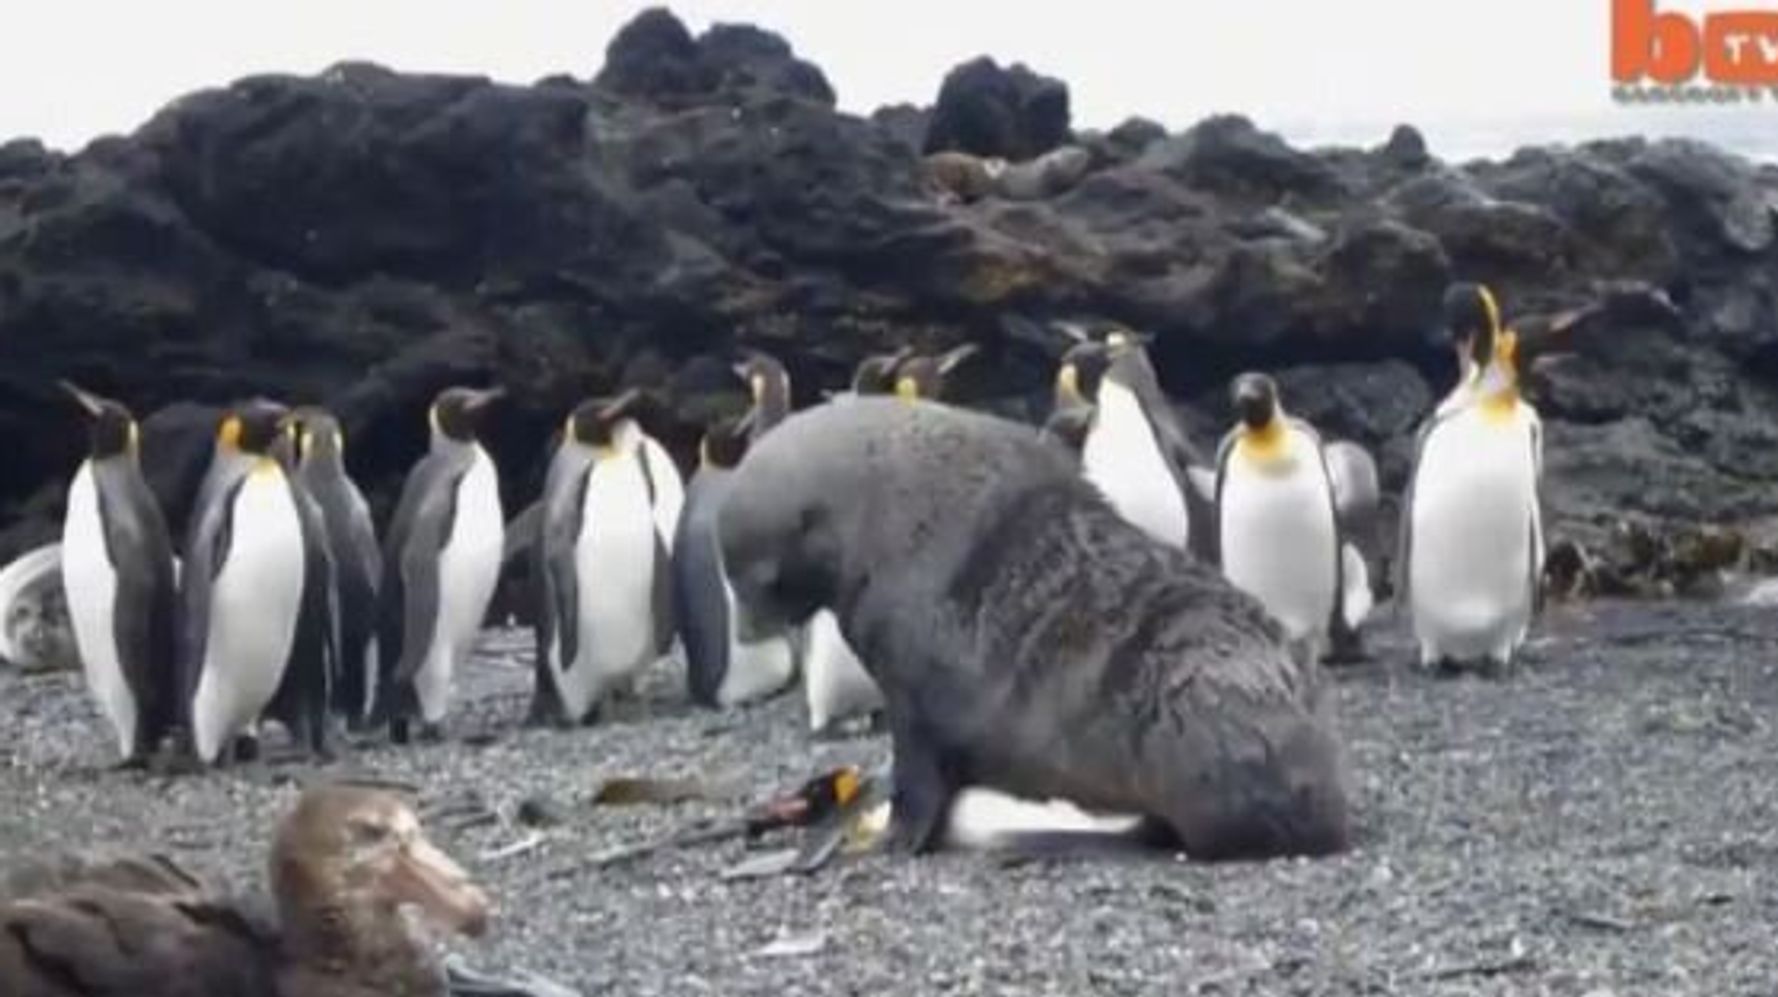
pixel 1499 381
pixel 1265 444
pixel 907 389
pixel 135 443
pixel 265 466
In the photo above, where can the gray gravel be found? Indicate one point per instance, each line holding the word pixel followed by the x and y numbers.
pixel 1602 823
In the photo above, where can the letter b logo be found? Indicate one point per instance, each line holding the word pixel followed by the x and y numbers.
pixel 1666 46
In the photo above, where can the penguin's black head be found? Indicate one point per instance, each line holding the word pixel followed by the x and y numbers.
pixel 1472 319
pixel 725 440
pixel 1083 368
pixel 1255 398
pixel 319 436
pixel 259 426
pixel 876 373
pixel 112 429
pixel 594 422
pixel 457 413
pixel 924 376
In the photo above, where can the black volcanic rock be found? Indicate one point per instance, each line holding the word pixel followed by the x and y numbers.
pixel 986 110
pixel 362 238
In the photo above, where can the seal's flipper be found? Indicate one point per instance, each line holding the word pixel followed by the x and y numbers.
pixel 923 791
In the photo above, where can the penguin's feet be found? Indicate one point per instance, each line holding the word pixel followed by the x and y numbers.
pixel 400 732
pixel 245 749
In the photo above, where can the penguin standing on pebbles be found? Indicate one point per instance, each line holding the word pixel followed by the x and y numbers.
pixel 118 576
pixel 721 669
pixel 441 560
pixel 357 560
pixel 606 595
pixel 1472 531
pixel 248 593
pixel 1278 532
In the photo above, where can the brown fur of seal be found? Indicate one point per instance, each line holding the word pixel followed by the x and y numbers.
pixel 1027 638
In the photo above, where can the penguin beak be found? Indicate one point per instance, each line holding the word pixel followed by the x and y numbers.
pixel 617 406
pixel 950 360
pixel 479 400
pixel 90 402
pixel 745 425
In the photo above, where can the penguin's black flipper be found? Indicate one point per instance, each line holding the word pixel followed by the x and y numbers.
pixel 665 624
pixel 561 528
pixel 303 695
pixel 1405 525
pixel 408 598
pixel 1537 539
pixel 143 621
pixel 522 532
pixel 213 532
pixel 700 600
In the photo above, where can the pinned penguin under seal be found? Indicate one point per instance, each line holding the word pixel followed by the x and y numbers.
pixel 441 560
pixel 721 669
pixel 118 574
pixel 605 609
pixel 1471 549
pixel 253 637
pixel 1279 534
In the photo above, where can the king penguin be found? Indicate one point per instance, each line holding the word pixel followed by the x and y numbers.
pixel 768 385
pixel 1278 532
pixel 357 561
pixel 721 669
pixel 928 377
pixel 606 592
pixel 875 374
pixel 118 576
pixel 1471 548
pixel 441 561
pixel 245 580
pixel 1134 451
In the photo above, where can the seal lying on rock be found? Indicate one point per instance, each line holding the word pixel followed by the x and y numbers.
pixel 1028 639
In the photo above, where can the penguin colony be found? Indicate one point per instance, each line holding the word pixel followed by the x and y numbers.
pixel 281 603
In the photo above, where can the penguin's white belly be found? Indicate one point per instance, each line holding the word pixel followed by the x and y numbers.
pixel 757 669
pixel 1356 603
pixel 1474 507
pixel 835 682
pixel 254 603
pixel 1123 459
pixel 90 583
pixel 468 569
pixel 614 562
pixel 1279 542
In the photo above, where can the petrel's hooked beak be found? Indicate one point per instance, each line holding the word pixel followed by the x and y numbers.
pixel 427 878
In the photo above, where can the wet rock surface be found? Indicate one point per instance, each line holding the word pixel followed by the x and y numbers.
pixel 1599 823
pixel 362 238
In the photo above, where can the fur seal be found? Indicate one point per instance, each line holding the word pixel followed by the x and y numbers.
pixel 1027 638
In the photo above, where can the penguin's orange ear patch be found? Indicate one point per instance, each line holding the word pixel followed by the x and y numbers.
pixel 229 435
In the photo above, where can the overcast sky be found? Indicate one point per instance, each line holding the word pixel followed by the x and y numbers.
pixel 75 69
